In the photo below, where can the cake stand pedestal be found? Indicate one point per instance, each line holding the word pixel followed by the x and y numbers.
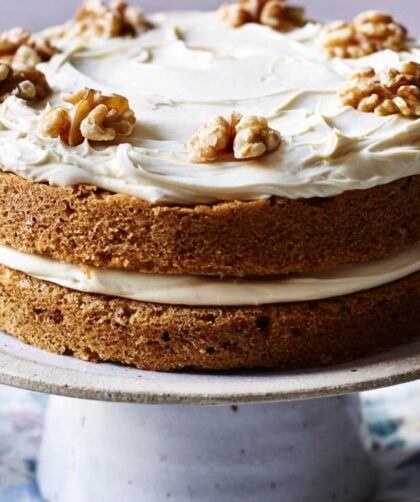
pixel 285 448
pixel 300 452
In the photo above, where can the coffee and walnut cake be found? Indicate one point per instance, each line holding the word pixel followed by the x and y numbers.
pixel 210 190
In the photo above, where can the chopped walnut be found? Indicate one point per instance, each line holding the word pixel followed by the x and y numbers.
pixel 26 57
pixel 244 136
pixel 42 46
pixel 274 13
pixel 133 21
pixel 28 84
pixel 386 93
pixel 22 50
pixel 254 7
pixel 254 138
pixel 279 16
pixel 5 71
pixel 234 15
pixel 11 40
pixel 213 139
pixel 370 32
pixel 55 123
pixel 92 116
pixel 96 19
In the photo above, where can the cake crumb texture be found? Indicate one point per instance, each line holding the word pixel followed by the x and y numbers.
pixel 163 337
pixel 85 225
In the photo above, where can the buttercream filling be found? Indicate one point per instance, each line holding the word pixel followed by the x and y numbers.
pixel 191 68
pixel 208 291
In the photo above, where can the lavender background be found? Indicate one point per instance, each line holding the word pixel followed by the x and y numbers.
pixel 36 14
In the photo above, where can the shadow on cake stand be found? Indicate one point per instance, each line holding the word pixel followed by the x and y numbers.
pixel 290 436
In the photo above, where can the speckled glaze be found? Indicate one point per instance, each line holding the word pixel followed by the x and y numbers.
pixel 313 450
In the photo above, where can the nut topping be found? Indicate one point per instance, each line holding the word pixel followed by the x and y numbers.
pixel 370 32
pixel 26 57
pixel 55 123
pixel 92 116
pixel 11 40
pixel 28 84
pixel 213 139
pixel 386 93
pixel 279 16
pixel 234 15
pixel 244 136
pixel 22 50
pixel 96 19
pixel 254 138
pixel 274 13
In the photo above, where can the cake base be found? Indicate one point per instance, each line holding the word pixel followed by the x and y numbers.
pixel 164 337
pixel 98 452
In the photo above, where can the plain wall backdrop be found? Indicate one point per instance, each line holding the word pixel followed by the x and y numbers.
pixel 37 14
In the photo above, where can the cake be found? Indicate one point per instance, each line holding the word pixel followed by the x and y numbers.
pixel 223 190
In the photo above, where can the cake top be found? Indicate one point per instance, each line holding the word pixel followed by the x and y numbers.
pixel 312 133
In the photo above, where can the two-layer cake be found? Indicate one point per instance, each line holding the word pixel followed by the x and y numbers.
pixel 210 190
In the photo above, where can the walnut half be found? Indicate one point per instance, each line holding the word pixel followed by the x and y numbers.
pixel 21 50
pixel 91 116
pixel 274 13
pixel 385 93
pixel 96 19
pixel 244 136
pixel 254 138
pixel 29 84
pixel 370 32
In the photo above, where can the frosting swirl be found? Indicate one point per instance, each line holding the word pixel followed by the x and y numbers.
pixel 191 68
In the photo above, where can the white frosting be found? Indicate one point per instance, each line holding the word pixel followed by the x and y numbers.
pixel 202 291
pixel 191 68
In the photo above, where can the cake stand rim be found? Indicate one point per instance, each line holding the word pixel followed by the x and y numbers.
pixel 26 367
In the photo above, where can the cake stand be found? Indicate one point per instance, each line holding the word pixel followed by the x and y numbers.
pixel 289 437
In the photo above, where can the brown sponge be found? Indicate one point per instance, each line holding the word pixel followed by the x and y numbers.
pixel 162 337
pixel 85 225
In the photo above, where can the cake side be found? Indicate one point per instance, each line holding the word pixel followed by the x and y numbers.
pixel 161 337
pixel 84 225
pixel 211 192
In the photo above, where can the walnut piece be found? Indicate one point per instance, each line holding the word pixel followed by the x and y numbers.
pixel 244 136
pixel 370 32
pixel 274 13
pixel 29 84
pixel 55 123
pixel 92 116
pixel 21 50
pixel 11 40
pixel 386 93
pixel 98 20
pixel 279 16
pixel 213 139
pixel 26 57
pixel 254 138
pixel 234 15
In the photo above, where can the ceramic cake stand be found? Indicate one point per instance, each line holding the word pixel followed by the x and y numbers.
pixel 266 441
